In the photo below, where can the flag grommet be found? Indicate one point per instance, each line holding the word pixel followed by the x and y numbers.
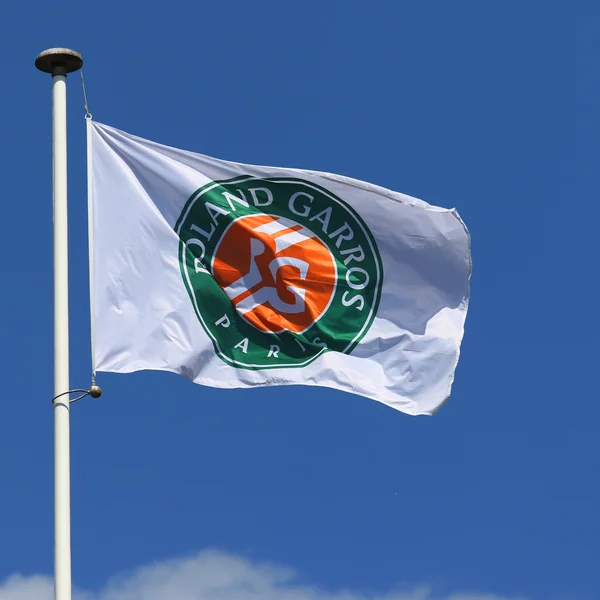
pixel 95 391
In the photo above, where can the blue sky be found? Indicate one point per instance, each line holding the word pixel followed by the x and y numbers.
pixel 490 107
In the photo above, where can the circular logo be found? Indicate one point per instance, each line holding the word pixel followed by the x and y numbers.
pixel 278 270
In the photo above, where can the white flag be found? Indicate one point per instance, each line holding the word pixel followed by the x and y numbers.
pixel 237 275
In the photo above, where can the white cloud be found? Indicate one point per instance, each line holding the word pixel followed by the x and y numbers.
pixel 212 575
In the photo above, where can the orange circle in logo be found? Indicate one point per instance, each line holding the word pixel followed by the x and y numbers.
pixel 278 274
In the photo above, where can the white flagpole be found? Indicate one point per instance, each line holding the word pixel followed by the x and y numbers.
pixel 58 62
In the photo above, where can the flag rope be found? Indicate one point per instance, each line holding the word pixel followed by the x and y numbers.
pixel 88 115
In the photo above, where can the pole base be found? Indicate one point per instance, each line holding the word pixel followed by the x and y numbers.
pixel 64 59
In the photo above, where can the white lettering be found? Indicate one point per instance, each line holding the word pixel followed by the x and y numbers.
pixel 274 351
pixel 214 212
pixel 305 209
pixel 198 266
pixel 357 257
pixel 300 344
pixel 353 300
pixel 339 234
pixel 323 217
pixel 268 193
pixel 224 320
pixel 231 199
pixel 317 342
pixel 243 345
pixel 206 234
pixel 356 286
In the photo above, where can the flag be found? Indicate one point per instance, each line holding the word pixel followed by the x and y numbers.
pixel 235 275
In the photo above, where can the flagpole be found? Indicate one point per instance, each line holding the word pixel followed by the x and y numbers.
pixel 58 62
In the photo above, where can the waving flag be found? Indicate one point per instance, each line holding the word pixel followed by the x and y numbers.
pixel 237 275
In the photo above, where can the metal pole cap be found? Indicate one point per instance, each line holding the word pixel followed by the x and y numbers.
pixel 64 59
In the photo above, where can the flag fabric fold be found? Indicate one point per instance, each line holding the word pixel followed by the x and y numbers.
pixel 237 275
